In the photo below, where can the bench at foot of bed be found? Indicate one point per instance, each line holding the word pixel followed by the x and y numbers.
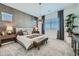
pixel 37 44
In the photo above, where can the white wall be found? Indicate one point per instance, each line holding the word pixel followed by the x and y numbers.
pixel 51 16
pixel 40 26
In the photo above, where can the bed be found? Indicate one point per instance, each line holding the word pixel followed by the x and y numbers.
pixel 32 41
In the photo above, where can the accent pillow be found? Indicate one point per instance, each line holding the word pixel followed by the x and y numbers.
pixel 20 32
pixel 25 32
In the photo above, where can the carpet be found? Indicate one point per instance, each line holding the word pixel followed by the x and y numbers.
pixel 52 48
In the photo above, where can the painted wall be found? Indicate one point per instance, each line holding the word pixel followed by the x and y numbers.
pixel 51 16
pixel 20 19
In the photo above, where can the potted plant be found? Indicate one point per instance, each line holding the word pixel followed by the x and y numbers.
pixel 70 23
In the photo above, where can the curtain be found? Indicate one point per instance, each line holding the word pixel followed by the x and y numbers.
pixel 43 24
pixel 61 20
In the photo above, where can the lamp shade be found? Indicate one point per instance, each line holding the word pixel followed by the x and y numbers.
pixel 9 28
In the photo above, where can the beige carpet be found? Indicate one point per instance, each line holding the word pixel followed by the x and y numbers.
pixel 52 48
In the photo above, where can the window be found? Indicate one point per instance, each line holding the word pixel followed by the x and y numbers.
pixel 6 16
pixel 52 24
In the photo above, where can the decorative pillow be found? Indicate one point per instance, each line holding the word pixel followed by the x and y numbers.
pixel 20 32
pixel 25 32
pixel 28 30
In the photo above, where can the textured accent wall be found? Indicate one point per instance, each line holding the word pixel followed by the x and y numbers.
pixel 20 19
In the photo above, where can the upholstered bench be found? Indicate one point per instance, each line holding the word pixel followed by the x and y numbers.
pixel 39 42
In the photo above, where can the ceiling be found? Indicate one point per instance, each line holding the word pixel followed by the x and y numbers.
pixel 39 9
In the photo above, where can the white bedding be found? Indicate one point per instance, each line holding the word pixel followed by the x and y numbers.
pixel 27 41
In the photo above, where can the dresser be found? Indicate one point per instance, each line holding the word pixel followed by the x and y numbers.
pixel 7 38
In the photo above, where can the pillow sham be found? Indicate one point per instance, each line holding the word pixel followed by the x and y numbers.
pixel 25 32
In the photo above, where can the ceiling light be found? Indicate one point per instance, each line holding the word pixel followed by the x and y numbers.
pixel 39 3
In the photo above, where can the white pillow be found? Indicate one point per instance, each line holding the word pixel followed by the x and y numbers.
pixel 25 32
pixel 29 30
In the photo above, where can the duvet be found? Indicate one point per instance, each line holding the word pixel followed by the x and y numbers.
pixel 27 42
